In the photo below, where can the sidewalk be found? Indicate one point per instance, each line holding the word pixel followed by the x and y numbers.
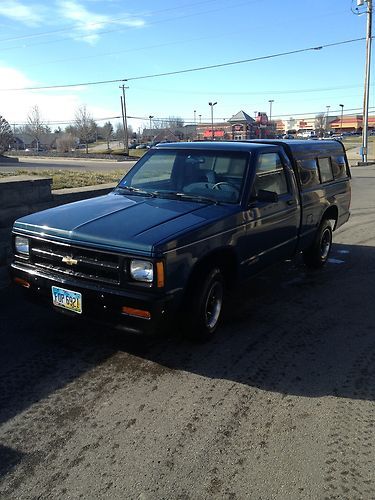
pixel 354 156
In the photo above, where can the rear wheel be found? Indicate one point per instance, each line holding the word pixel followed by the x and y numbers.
pixel 317 255
pixel 205 305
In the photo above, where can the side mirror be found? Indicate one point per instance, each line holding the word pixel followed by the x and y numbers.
pixel 267 196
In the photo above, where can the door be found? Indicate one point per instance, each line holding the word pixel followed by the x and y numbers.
pixel 272 227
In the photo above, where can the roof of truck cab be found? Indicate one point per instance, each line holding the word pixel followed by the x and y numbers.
pixel 215 145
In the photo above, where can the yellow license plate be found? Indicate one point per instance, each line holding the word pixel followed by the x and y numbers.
pixel 67 299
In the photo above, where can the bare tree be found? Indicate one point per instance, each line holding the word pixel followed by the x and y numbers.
pixel 119 133
pixel 85 126
pixel 70 129
pixel 6 135
pixel 320 122
pixel 175 122
pixel 35 125
pixel 65 142
pixel 107 131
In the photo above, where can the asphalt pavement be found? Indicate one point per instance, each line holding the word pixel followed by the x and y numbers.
pixel 279 406
pixel 76 164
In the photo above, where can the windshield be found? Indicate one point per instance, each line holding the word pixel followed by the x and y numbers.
pixel 205 176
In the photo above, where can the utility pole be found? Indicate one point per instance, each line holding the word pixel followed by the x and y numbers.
pixel 367 81
pixel 124 120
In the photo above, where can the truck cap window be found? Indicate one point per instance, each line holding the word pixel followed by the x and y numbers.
pixel 308 173
pixel 339 167
pixel 270 175
pixel 206 175
pixel 325 169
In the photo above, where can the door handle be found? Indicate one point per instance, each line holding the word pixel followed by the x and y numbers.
pixel 291 202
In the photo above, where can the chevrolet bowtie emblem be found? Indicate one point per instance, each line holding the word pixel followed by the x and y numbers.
pixel 69 260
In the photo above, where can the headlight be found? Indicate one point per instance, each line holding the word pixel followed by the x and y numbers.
pixel 22 245
pixel 142 270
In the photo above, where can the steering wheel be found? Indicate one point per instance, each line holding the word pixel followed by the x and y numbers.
pixel 219 184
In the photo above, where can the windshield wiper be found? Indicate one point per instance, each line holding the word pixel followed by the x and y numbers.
pixel 137 191
pixel 185 196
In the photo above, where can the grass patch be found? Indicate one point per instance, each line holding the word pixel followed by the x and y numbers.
pixel 71 179
pixel 133 153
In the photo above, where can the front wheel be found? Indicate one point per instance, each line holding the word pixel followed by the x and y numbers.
pixel 206 304
pixel 317 255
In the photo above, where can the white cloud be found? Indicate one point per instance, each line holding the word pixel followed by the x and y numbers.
pixel 17 11
pixel 89 23
pixel 54 104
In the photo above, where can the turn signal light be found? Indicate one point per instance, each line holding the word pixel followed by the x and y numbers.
pixel 138 313
pixel 160 274
pixel 22 282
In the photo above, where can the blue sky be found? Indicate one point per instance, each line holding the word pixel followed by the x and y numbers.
pixel 78 41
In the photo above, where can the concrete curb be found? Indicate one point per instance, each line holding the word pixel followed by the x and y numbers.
pixel 44 199
pixel 30 158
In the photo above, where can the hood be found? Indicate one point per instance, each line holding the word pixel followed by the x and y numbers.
pixel 129 223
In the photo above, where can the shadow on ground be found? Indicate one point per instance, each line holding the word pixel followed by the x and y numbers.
pixel 289 331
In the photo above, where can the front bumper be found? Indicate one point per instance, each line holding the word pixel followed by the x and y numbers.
pixel 101 303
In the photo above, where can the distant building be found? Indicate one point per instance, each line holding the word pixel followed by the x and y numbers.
pixel 221 131
pixel 352 123
pixel 243 126
pixel 26 141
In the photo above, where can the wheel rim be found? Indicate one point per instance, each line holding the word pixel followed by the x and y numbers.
pixel 214 303
pixel 325 244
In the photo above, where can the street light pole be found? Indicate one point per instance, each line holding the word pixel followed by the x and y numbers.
pixel 212 104
pixel 150 118
pixel 327 118
pixel 367 83
pixel 271 101
pixel 342 114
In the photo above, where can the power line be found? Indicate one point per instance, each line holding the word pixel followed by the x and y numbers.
pixel 104 32
pixel 68 27
pixel 190 70
pixel 98 23
pixel 122 51
pixel 97 55
pixel 190 121
pixel 263 92
pixel 271 56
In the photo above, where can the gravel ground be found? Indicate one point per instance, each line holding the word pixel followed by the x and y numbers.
pixel 279 406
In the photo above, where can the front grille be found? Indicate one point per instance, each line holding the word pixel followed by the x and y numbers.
pixel 82 263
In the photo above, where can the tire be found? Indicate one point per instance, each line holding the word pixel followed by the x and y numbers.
pixel 317 255
pixel 205 305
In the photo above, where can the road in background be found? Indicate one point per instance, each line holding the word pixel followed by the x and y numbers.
pixel 77 164
pixel 279 406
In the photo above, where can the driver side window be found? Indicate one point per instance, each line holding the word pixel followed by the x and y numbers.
pixel 270 174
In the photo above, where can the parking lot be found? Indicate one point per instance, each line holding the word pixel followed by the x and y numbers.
pixel 280 405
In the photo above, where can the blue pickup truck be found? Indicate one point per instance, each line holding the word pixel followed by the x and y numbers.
pixel 188 221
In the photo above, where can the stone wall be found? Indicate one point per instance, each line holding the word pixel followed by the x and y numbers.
pixel 23 195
